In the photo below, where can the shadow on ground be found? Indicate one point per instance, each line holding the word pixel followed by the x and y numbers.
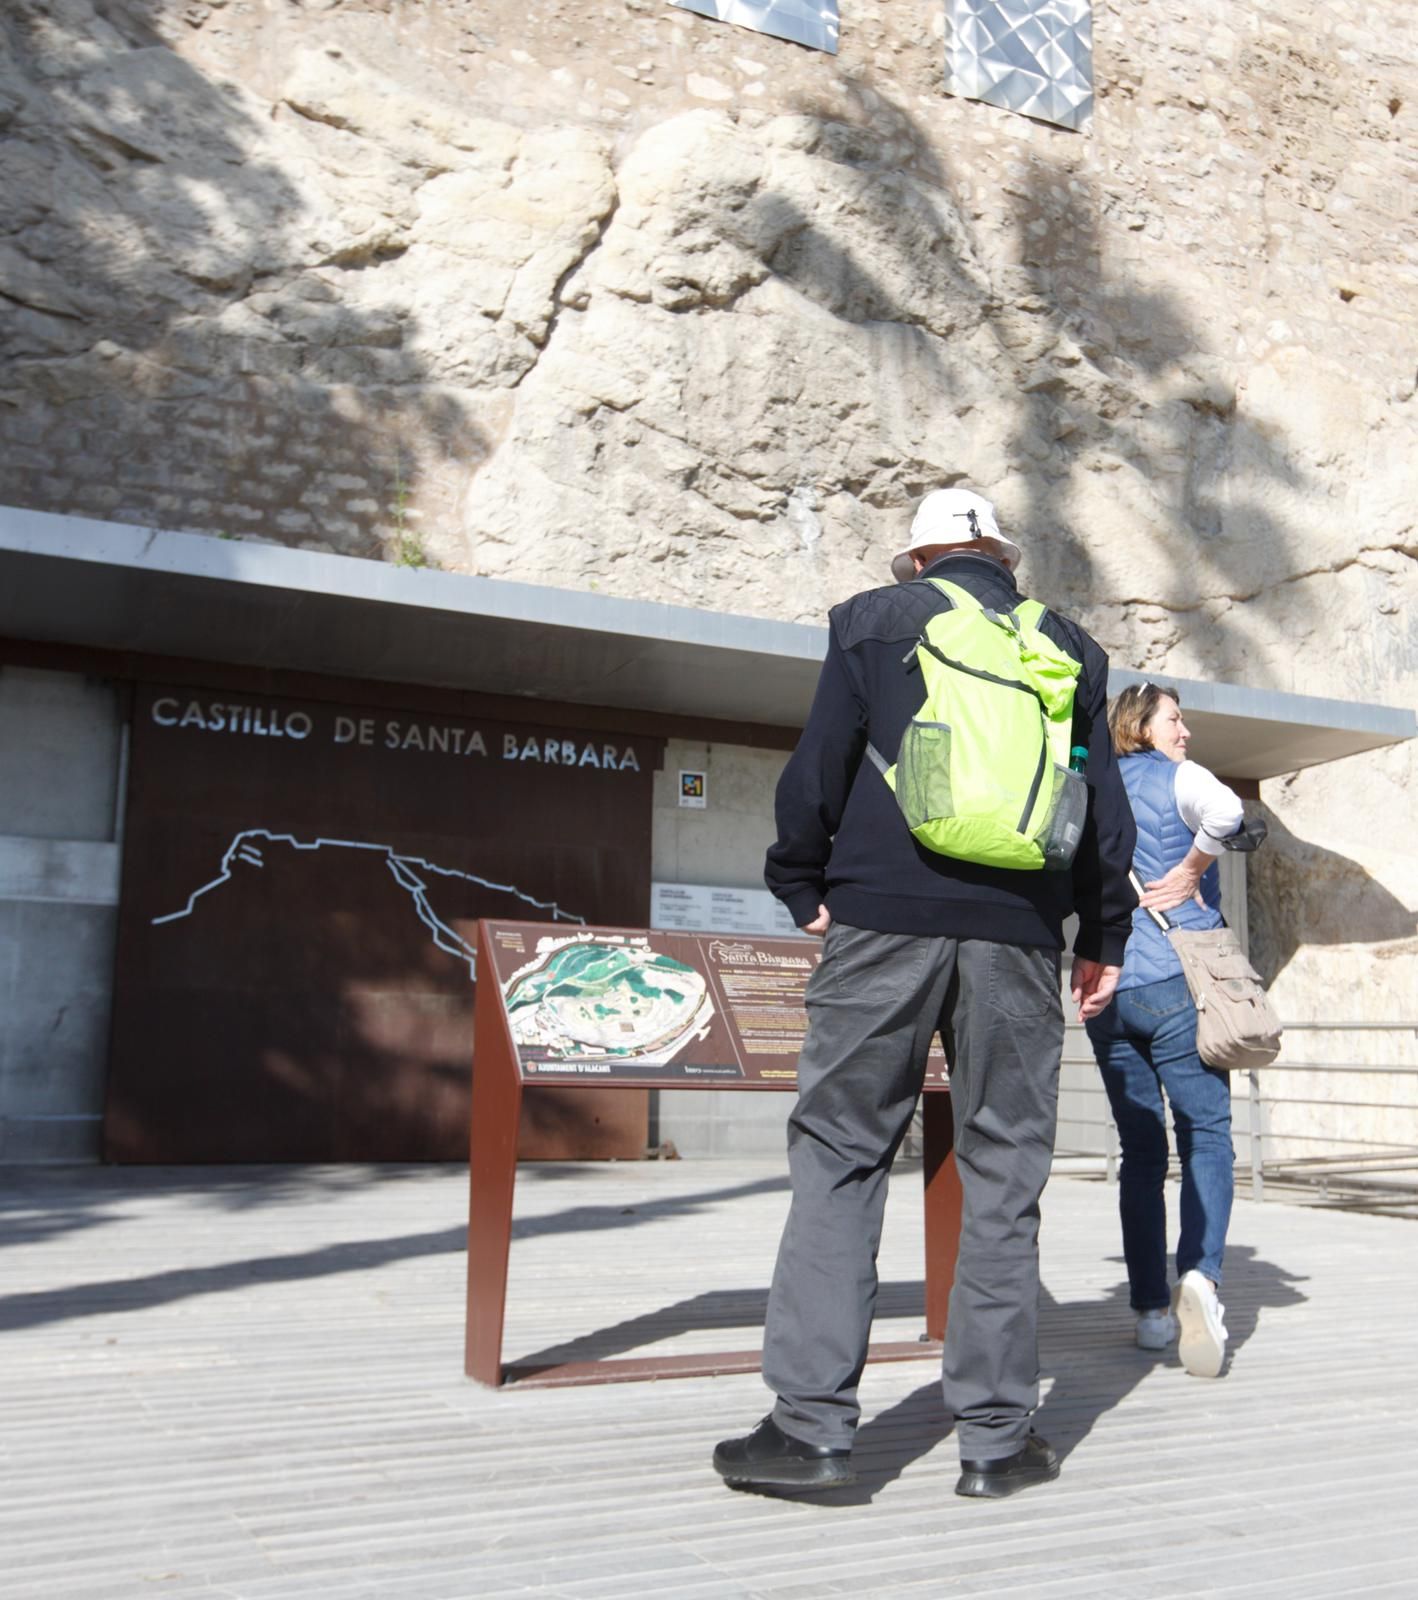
pixel 1087 1346
pixel 27 1219
pixel 1090 1363
pixel 741 1310
pixel 38 1203
pixel 1087 1354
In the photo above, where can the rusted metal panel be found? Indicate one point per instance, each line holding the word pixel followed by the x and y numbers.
pixel 302 882
pixel 577 1125
pixel 639 1369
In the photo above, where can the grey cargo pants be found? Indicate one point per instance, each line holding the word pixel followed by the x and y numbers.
pixel 873 1004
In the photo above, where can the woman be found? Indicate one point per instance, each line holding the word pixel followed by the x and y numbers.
pixel 1145 1041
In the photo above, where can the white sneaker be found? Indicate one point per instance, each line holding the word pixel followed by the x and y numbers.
pixel 1202 1346
pixel 1155 1329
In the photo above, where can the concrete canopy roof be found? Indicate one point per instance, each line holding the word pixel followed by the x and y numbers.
pixel 110 586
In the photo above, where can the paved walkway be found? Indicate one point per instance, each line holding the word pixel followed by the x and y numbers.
pixel 247 1383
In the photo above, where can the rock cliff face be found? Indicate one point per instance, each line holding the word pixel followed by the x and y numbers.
pixel 611 296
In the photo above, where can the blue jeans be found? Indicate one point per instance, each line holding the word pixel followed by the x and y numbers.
pixel 1145 1043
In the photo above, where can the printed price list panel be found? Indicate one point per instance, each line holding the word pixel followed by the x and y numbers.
pixel 706 908
pixel 618 1006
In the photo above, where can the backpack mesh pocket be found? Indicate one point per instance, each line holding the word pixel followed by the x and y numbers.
pixel 923 773
pixel 1067 814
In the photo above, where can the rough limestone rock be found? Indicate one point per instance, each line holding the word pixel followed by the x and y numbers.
pixel 612 296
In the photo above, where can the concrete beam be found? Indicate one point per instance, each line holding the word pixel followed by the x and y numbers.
pixel 107 585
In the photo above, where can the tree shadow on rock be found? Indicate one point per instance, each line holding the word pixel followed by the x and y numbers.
pixel 1117 380
pixel 1096 371
pixel 183 350
pixel 1299 894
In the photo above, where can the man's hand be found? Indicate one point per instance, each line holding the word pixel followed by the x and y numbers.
pixel 1091 984
pixel 820 923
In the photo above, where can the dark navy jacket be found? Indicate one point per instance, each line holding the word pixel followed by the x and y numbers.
pixel 1163 839
pixel 842 840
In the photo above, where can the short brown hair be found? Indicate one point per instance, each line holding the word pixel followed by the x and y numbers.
pixel 1132 710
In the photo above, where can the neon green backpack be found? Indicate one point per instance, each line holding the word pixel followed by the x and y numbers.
pixel 983 772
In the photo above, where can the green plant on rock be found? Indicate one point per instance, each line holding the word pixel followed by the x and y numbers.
pixel 408 542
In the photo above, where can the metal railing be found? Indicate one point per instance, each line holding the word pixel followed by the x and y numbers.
pixel 1349 1161
pixel 1379 1171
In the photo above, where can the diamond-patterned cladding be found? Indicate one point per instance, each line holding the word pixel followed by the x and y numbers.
pixel 809 22
pixel 1031 56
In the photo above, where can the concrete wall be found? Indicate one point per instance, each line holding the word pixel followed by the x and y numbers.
pixel 61 739
pixel 722 845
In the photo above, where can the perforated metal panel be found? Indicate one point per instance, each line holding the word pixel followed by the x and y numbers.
pixel 1031 56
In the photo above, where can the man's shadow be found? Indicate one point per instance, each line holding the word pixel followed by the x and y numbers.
pixel 1089 1350
pixel 889 1442
pixel 1086 1348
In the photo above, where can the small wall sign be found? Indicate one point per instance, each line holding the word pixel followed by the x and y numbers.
pixel 694 789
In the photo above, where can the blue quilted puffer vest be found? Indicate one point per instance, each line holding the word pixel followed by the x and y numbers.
pixel 1162 841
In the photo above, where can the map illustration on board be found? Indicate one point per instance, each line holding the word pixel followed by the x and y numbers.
pixel 246 849
pixel 605 997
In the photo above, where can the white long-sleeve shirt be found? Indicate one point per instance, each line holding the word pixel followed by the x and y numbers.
pixel 1211 810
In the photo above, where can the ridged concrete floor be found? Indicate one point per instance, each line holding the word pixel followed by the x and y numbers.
pixel 248 1383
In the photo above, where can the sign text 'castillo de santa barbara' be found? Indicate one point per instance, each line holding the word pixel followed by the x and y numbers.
pixel 389 733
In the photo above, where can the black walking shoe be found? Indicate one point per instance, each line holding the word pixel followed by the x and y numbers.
pixel 768 1458
pixel 993 1480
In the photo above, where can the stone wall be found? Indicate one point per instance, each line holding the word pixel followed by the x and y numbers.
pixel 611 296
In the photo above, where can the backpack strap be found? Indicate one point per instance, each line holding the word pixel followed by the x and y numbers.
pixel 963 600
pixel 1028 613
pixel 960 599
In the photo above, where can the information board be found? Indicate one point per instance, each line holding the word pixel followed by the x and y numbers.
pixel 649 1007
pixel 616 1006
pixel 612 1008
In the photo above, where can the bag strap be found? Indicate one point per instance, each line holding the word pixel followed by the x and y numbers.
pixel 1161 918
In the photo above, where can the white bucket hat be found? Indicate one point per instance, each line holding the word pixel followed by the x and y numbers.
pixel 952 516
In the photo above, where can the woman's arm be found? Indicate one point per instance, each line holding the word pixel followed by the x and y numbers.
pixel 1213 813
pixel 1211 810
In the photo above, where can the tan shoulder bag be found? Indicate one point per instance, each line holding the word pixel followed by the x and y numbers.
pixel 1236 1025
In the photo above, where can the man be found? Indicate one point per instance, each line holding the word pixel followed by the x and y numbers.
pixel 915 942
